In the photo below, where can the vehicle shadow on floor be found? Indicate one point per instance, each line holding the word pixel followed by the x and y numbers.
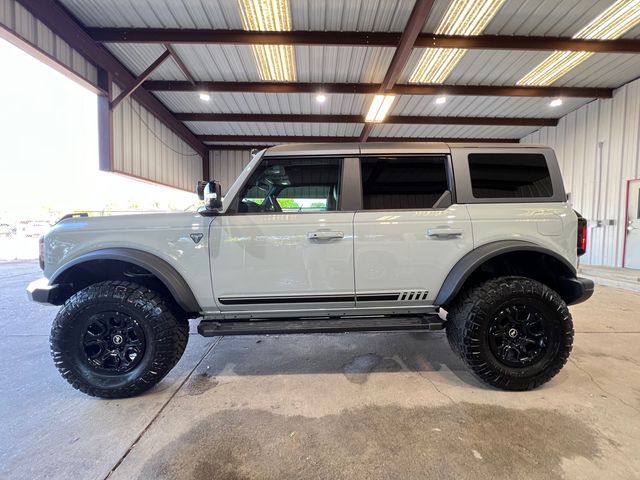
pixel 355 355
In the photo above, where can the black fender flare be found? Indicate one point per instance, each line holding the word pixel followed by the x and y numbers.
pixel 476 257
pixel 162 270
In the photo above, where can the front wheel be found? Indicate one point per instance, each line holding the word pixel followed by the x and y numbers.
pixel 116 339
pixel 514 333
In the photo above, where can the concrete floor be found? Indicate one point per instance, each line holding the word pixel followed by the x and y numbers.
pixel 371 406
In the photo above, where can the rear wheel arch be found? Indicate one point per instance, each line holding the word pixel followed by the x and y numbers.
pixel 509 257
pixel 124 264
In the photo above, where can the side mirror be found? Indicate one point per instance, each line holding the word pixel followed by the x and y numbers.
pixel 211 193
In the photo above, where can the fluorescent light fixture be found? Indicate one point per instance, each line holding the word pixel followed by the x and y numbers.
pixel 321 98
pixel 441 100
pixel 464 17
pixel 610 24
pixel 556 102
pixel 275 62
pixel 379 108
pixel 205 97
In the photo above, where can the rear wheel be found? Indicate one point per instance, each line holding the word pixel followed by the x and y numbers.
pixel 514 333
pixel 117 339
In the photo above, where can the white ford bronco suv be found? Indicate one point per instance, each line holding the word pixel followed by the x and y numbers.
pixel 475 238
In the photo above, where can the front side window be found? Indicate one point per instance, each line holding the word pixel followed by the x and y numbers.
pixel 509 175
pixel 392 183
pixel 293 185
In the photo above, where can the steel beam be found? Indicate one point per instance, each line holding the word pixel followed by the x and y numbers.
pixel 276 139
pixel 402 119
pixel 378 39
pixel 368 88
pixel 140 78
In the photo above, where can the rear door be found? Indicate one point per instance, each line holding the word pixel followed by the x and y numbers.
pixel 408 234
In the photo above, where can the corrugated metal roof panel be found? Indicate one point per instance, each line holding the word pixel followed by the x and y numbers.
pixel 238 102
pixel 219 63
pixel 351 15
pixel 236 62
pixel 138 56
pixel 551 18
pixel 484 67
pixel 342 64
pixel 157 13
pixel 450 131
pixel 270 128
pixel 603 70
pixel 537 107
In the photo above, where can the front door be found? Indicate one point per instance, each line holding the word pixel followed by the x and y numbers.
pixel 408 236
pixel 632 246
pixel 288 245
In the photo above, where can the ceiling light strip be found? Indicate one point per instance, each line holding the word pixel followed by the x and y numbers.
pixel 610 24
pixel 463 17
pixel 275 62
pixel 379 108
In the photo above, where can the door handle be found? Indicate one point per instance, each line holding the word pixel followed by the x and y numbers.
pixel 324 235
pixel 444 232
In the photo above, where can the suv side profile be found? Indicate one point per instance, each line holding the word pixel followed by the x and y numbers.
pixel 475 238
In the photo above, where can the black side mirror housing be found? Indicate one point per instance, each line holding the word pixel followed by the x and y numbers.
pixel 211 193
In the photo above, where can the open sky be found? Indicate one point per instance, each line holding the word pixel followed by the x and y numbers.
pixel 49 146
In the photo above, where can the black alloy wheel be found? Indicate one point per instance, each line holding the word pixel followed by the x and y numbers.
pixel 114 342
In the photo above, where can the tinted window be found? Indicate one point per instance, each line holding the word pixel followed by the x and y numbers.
pixel 509 175
pixel 402 182
pixel 293 185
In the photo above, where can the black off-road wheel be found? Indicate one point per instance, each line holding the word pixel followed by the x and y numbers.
pixel 514 333
pixel 117 339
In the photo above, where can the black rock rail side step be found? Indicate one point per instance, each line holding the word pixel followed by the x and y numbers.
pixel 215 328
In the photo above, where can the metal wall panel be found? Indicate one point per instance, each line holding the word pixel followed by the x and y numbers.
pixel 226 165
pixel 146 148
pixel 598 149
pixel 15 18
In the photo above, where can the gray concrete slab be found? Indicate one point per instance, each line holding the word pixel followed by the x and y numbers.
pixel 333 406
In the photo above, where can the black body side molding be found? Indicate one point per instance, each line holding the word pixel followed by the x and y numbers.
pixel 164 272
pixel 573 289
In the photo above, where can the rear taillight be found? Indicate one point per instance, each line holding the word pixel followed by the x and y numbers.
pixel 582 236
pixel 41 251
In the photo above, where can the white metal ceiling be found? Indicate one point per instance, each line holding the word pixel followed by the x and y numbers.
pixel 331 64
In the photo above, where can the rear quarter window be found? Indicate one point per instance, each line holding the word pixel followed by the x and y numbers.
pixel 509 175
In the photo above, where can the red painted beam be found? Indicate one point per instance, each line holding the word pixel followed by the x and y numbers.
pixel 368 88
pixel 415 24
pixel 381 39
pixel 403 119
pixel 140 78
pixel 276 139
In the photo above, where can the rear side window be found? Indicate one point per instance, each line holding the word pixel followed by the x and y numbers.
pixel 509 175
pixel 391 183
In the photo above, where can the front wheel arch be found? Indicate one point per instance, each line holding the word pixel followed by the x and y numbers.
pixel 117 264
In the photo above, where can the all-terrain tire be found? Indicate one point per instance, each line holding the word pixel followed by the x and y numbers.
pixel 152 318
pixel 482 310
